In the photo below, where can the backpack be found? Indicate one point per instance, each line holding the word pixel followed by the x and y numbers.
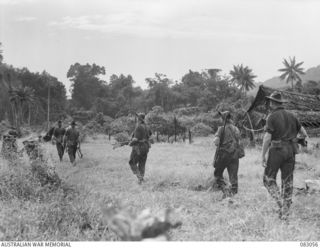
pixel 238 149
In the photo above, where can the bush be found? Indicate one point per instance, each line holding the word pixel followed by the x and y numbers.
pixel 30 211
pixel 187 121
pixel 83 116
pixel 122 137
pixel 157 110
pixel 122 124
pixel 103 120
pixel 93 127
pixel 4 126
pixel 209 119
pixel 156 121
pixel 100 124
pixel 187 111
pixel 201 129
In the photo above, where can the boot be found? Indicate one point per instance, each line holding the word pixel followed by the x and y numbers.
pixel 140 178
pixel 285 210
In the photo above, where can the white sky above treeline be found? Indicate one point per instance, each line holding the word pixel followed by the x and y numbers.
pixel 141 37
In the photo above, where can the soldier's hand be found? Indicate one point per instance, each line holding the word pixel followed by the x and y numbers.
pixel 264 162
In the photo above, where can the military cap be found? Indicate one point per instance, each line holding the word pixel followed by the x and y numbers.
pixel 276 96
pixel 225 114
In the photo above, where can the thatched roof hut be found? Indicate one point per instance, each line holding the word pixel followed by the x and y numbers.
pixel 305 107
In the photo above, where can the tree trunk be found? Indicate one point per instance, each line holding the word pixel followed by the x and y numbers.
pixel 21 113
pixel 175 129
pixel 48 110
pixel 17 115
pixel 29 116
pixel 14 119
pixel 190 138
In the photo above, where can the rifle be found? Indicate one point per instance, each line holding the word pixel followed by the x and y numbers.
pixel 79 151
pixel 120 144
pixel 217 154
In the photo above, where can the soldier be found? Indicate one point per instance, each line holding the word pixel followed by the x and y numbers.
pixel 140 148
pixel 71 142
pixel 227 157
pixel 58 134
pixel 280 140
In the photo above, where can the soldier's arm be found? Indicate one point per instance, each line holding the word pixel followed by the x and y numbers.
pixel 149 132
pixel 216 139
pixel 266 144
pixel 53 136
pixel 237 132
pixel 78 139
pixel 269 129
pixel 65 136
pixel 303 132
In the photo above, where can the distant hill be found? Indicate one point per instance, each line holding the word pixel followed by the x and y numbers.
pixel 275 82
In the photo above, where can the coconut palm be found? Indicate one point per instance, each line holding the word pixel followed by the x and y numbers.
pixel 292 71
pixel 19 97
pixel 242 77
pixel 29 100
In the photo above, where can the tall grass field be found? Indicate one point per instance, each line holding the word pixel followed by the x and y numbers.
pixel 177 177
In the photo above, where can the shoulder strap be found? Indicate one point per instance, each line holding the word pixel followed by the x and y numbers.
pixel 53 130
pixel 232 131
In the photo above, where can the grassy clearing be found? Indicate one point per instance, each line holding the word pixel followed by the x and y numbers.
pixel 173 172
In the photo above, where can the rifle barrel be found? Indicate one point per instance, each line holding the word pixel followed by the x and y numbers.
pixel 216 155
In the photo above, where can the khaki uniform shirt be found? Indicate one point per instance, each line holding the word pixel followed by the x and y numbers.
pixel 58 133
pixel 142 132
pixel 282 125
pixel 72 137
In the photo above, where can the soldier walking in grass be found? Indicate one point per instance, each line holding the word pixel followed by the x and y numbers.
pixel 140 148
pixel 227 155
pixel 72 141
pixel 280 141
pixel 58 134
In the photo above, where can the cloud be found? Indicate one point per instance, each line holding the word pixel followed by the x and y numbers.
pixel 250 20
pixel 26 19
pixel 15 2
pixel 161 19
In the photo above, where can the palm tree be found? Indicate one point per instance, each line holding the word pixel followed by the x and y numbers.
pixel 243 77
pixel 292 71
pixel 29 99
pixel 19 97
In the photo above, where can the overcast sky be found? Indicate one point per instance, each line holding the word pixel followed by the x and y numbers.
pixel 141 37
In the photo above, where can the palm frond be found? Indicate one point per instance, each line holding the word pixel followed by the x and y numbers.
pixel 286 63
pixel 299 64
pixel 293 61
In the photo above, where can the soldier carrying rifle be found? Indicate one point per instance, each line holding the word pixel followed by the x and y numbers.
pixel 58 134
pixel 72 142
pixel 227 154
pixel 140 148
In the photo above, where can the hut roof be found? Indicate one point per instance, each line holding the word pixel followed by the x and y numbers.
pixel 305 107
